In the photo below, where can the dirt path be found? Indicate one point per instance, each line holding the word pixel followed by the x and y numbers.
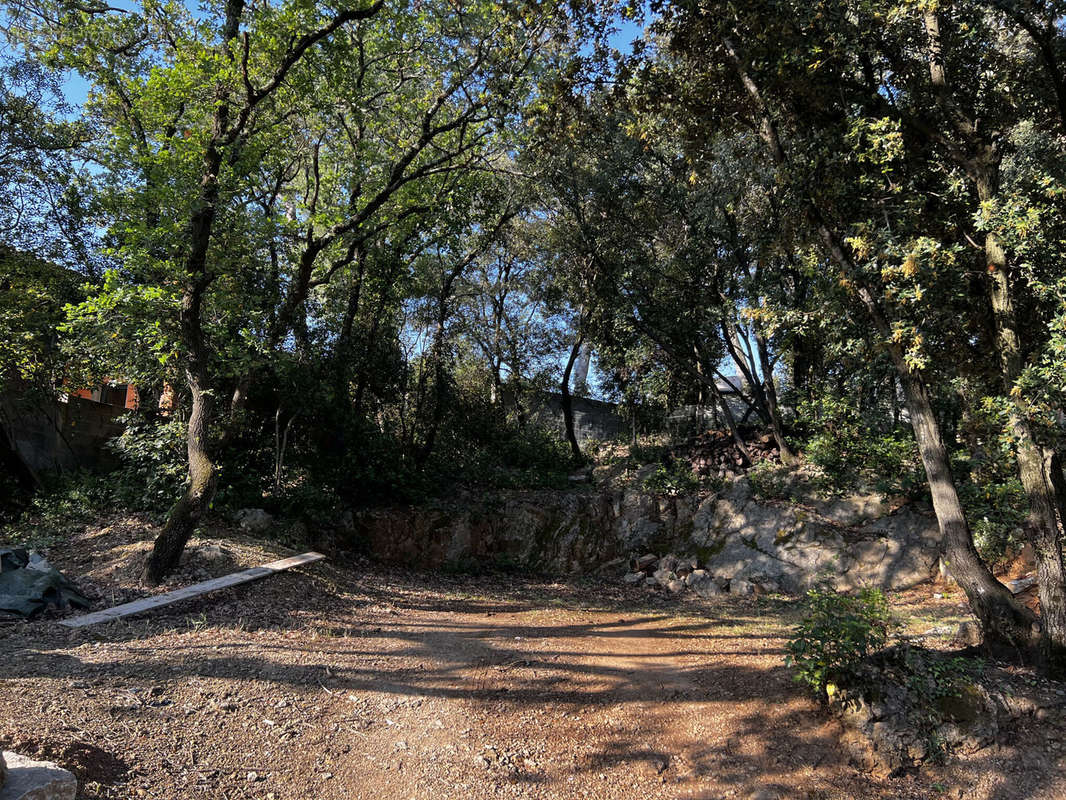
pixel 335 683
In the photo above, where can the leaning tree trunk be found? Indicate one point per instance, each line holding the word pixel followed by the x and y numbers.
pixel 1035 466
pixel 568 402
pixel 187 513
pixel 776 425
pixel 1003 620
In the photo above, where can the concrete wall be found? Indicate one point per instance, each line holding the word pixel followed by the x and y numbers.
pixel 62 434
pixel 593 419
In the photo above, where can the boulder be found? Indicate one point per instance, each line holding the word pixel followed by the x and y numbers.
pixel 633 577
pixel 706 588
pixel 664 576
pixel 676 586
pixel 668 563
pixel 741 587
pixel 254 520
pixel 697 576
pixel 36 780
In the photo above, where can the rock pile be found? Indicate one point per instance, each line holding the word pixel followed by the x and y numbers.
pixel 906 705
pixel 714 454
pixel 677 574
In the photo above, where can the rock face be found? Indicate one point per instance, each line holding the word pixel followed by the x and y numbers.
pixel 36 780
pixel 848 542
pixel 898 711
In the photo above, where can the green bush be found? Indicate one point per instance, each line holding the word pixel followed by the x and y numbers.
pixel 770 481
pixel 850 452
pixel 674 480
pixel 836 633
pixel 996 510
pixel 152 464
pixel 64 501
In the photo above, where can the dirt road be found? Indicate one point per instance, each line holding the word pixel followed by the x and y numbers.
pixel 356 682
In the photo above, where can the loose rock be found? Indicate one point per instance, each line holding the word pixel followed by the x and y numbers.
pixel 27 779
pixel 741 587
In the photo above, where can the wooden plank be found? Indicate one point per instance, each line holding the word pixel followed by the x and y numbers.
pixel 187 592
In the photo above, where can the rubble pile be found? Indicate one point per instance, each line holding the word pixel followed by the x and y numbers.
pixel 714 454
pixel 679 574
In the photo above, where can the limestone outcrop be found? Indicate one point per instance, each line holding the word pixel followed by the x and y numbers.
pixel 788 546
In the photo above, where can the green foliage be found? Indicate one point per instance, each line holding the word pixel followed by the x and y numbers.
pixel 151 463
pixel 836 633
pixel 673 480
pixel 851 452
pixel 996 511
pixel 771 481
pixel 62 504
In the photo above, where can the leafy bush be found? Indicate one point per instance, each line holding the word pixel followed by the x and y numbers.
pixel 836 633
pixel 65 500
pixel 673 480
pixel 771 481
pixel 850 452
pixel 996 510
pixel 152 471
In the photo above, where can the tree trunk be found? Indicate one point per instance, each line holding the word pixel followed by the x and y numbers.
pixel 187 513
pixel 1003 620
pixel 778 428
pixel 567 401
pixel 1034 465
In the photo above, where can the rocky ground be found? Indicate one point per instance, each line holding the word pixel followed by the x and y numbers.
pixel 349 680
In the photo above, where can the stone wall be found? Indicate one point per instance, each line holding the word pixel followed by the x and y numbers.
pixel 847 542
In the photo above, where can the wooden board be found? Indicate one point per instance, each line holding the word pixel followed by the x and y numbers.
pixel 195 590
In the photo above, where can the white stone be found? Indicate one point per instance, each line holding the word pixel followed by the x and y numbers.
pixel 254 519
pixel 36 780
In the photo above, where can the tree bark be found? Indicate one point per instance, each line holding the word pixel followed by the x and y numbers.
pixel 776 425
pixel 1003 620
pixel 187 513
pixel 1034 463
pixel 189 510
pixel 567 401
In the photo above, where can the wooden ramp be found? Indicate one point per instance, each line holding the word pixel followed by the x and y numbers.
pixel 197 589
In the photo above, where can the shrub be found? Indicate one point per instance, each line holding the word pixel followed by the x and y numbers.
pixel 850 452
pixel 152 472
pixel 771 481
pixel 836 633
pixel 64 501
pixel 674 480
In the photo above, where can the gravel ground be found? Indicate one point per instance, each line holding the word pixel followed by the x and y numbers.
pixel 351 680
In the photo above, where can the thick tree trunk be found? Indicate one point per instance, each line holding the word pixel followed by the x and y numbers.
pixel 190 509
pixel 1003 620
